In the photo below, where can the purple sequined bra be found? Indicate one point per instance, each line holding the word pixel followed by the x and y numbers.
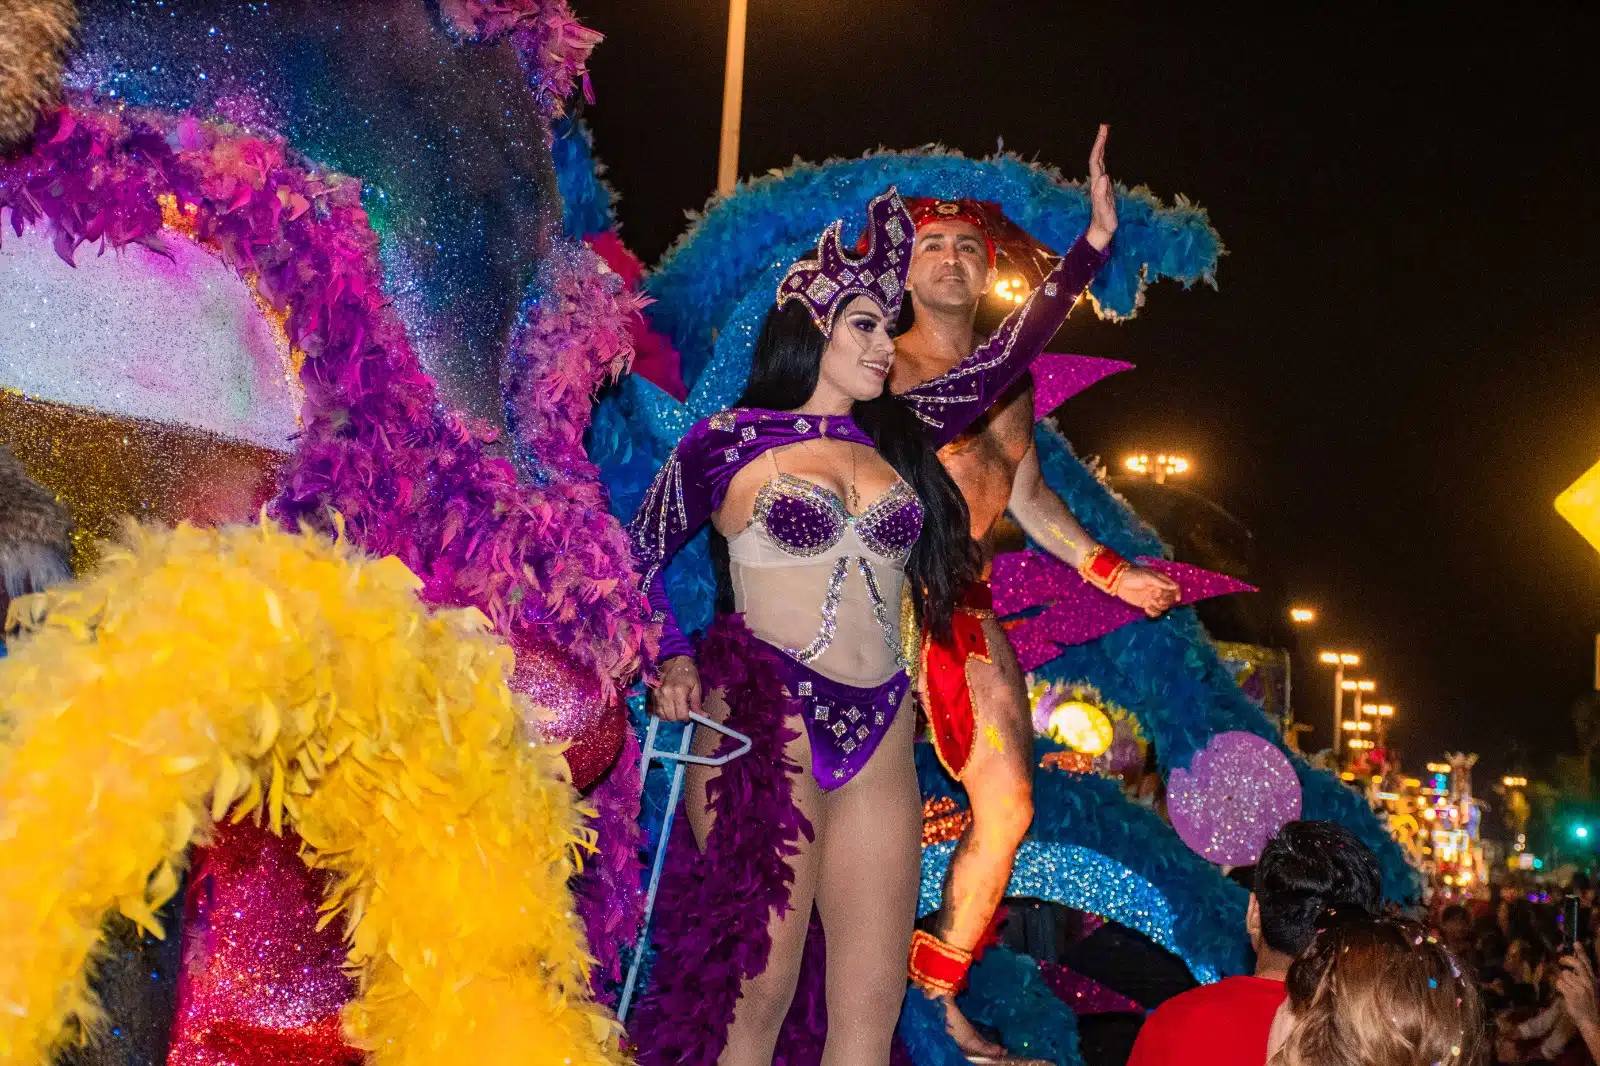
pixel 824 586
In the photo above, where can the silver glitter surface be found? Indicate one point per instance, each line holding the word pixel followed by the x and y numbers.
pixel 103 336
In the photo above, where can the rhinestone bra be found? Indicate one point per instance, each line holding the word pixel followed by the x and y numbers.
pixel 805 520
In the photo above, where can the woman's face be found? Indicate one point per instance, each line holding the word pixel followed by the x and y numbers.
pixel 858 356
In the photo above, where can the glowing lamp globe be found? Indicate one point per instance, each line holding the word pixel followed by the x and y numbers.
pixel 1082 727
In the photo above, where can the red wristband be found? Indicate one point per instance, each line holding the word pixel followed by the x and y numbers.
pixel 1103 568
pixel 937 967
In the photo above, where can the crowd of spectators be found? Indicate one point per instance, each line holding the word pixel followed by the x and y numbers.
pixel 1531 953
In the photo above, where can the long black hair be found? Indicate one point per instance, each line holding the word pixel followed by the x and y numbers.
pixel 784 372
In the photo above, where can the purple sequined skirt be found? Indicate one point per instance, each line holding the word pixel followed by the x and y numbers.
pixel 846 724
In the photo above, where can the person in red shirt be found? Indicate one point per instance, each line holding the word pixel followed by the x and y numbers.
pixel 1309 868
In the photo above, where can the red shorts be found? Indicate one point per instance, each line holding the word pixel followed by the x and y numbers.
pixel 947 691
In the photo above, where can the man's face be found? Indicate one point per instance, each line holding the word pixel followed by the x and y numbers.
pixel 950 266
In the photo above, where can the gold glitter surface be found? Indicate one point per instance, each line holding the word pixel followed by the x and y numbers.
pixel 107 467
pixel 943 820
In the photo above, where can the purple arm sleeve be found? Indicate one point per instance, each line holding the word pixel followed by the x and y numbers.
pixel 954 400
pixel 681 499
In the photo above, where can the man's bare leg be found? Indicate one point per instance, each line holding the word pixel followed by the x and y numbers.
pixel 999 783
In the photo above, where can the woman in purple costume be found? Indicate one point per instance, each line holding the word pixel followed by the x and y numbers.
pixel 827 501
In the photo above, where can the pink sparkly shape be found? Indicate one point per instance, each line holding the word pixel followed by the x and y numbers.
pixel 1237 792
pixel 1058 378
pixel 1085 995
pixel 259 984
pixel 1075 611
pixel 567 703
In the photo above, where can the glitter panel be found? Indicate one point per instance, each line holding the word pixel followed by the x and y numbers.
pixel 1079 878
pixel 102 334
pixel 106 467
pixel 1058 378
pixel 943 820
pixel 1083 994
pixel 261 986
pixel 1238 791
pixel 1075 611
pixel 564 703
pixel 449 142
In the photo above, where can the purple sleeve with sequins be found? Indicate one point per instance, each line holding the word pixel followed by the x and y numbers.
pixel 686 491
pixel 954 400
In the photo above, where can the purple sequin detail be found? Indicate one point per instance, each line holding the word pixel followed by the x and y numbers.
pixel 846 724
pixel 800 525
pixel 806 519
pixel 893 531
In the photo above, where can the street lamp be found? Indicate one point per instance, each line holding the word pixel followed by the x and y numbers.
pixel 1158 467
pixel 1011 290
pixel 1338 660
pixel 1514 782
pixel 1302 615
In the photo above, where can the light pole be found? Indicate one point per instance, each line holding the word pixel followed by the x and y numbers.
pixel 1300 616
pixel 1356 688
pixel 732 99
pixel 1382 712
pixel 1338 660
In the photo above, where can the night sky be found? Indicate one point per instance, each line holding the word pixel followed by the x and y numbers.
pixel 1401 366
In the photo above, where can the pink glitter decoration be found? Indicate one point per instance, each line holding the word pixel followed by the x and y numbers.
pixel 1085 995
pixel 1058 378
pixel 567 704
pixel 1075 611
pixel 1237 792
pixel 261 986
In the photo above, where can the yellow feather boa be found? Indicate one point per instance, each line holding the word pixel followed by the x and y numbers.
pixel 283 676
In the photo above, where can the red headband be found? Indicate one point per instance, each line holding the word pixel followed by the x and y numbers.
pixel 981 214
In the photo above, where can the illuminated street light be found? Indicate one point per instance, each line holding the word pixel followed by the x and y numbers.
pixel 1302 615
pixel 1159 467
pixel 1438 768
pixel 1338 660
pixel 1012 290
pixel 1514 782
pixel 1385 710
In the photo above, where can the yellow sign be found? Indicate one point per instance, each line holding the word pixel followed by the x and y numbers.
pixel 1580 505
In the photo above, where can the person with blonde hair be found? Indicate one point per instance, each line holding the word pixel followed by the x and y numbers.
pixel 1377 992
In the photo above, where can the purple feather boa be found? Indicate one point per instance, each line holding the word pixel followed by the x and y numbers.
pixel 714 906
pixel 408 478
pixel 610 897
pixel 551 43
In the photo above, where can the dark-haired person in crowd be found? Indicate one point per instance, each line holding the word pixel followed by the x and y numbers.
pixel 1307 870
pixel 1376 992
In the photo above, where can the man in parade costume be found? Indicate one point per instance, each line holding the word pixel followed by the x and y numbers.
pixel 972 686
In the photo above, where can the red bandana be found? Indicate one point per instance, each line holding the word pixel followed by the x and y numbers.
pixel 979 213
